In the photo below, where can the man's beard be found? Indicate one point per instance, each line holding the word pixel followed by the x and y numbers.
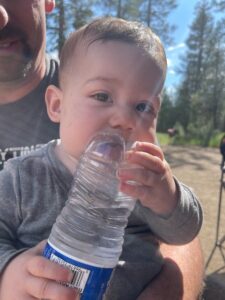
pixel 15 66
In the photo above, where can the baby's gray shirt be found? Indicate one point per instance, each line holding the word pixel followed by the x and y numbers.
pixel 33 191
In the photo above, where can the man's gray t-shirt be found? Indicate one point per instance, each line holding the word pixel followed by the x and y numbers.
pixel 24 124
pixel 34 189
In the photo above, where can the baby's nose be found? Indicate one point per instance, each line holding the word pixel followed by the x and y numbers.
pixel 4 18
pixel 123 118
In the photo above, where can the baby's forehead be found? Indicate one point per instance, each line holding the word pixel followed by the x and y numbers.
pixel 86 47
pixel 105 53
pixel 115 67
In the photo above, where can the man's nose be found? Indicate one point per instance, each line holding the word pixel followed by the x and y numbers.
pixel 4 18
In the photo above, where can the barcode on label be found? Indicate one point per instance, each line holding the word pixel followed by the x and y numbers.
pixel 80 276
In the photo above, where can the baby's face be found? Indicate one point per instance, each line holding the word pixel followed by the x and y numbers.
pixel 110 85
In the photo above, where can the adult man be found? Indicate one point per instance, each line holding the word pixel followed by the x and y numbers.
pixel 24 73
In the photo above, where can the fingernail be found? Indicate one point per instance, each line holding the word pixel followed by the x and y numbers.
pixel 135 145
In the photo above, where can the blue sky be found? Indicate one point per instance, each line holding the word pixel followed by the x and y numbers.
pixel 182 17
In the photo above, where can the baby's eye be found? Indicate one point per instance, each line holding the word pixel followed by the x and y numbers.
pixel 145 107
pixel 103 97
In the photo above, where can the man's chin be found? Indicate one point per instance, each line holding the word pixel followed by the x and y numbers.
pixel 13 70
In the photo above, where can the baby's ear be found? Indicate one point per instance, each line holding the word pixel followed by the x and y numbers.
pixel 53 100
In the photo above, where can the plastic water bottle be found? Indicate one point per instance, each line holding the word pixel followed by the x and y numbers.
pixel 88 234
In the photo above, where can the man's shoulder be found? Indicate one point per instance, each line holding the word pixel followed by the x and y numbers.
pixel 52 69
pixel 53 62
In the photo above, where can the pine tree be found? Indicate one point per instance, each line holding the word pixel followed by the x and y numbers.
pixel 154 13
pixel 198 45
pixel 67 16
pixel 202 91
pixel 183 105
pixel 57 26
pixel 220 4
pixel 166 116
pixel 195 63
pixel 81 12
pixel 214 84
pixel 125 9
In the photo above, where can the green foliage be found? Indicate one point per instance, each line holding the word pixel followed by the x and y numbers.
pixel 67 16
pixel 180 129
pixel 180 137
pixel 202 134
pixel 219 4
pixel 155 13
pixel 200 104
pixel 163 139
pixel 166 117
pixel 188 140
pixel 121 9
pixel 215 139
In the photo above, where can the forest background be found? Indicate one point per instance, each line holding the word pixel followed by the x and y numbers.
pixel 196 106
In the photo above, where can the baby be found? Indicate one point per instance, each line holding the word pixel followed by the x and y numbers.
pixel 111 75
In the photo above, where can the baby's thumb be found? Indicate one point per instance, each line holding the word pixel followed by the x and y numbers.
pixel 40 247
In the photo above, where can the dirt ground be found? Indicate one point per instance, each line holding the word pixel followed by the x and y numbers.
pixel 200 169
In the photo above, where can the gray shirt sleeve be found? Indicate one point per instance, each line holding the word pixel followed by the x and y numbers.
pixel 182 225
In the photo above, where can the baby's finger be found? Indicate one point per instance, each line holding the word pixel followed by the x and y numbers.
pixel 48 289
pixel 149 148
pixel 136 191
pixel 139 176
pixel 39 266
pixel 29 298
pixel 146 160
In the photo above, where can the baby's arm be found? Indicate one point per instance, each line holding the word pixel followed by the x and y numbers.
pixel 155 188
pixel 31 276
pixel 170 208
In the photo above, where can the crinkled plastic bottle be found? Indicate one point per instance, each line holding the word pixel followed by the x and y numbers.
pixel 88 234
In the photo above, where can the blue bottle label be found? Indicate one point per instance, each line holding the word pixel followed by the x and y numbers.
pixel 90 280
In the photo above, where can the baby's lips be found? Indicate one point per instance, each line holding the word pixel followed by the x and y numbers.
pixel 109 150
pixel 108 146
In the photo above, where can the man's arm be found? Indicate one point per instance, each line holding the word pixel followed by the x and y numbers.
pixel 182 275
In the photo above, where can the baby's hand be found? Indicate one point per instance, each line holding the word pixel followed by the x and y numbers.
pixel 31 276
pixel 154 183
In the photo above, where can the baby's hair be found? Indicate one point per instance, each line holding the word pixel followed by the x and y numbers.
pixel 114 29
